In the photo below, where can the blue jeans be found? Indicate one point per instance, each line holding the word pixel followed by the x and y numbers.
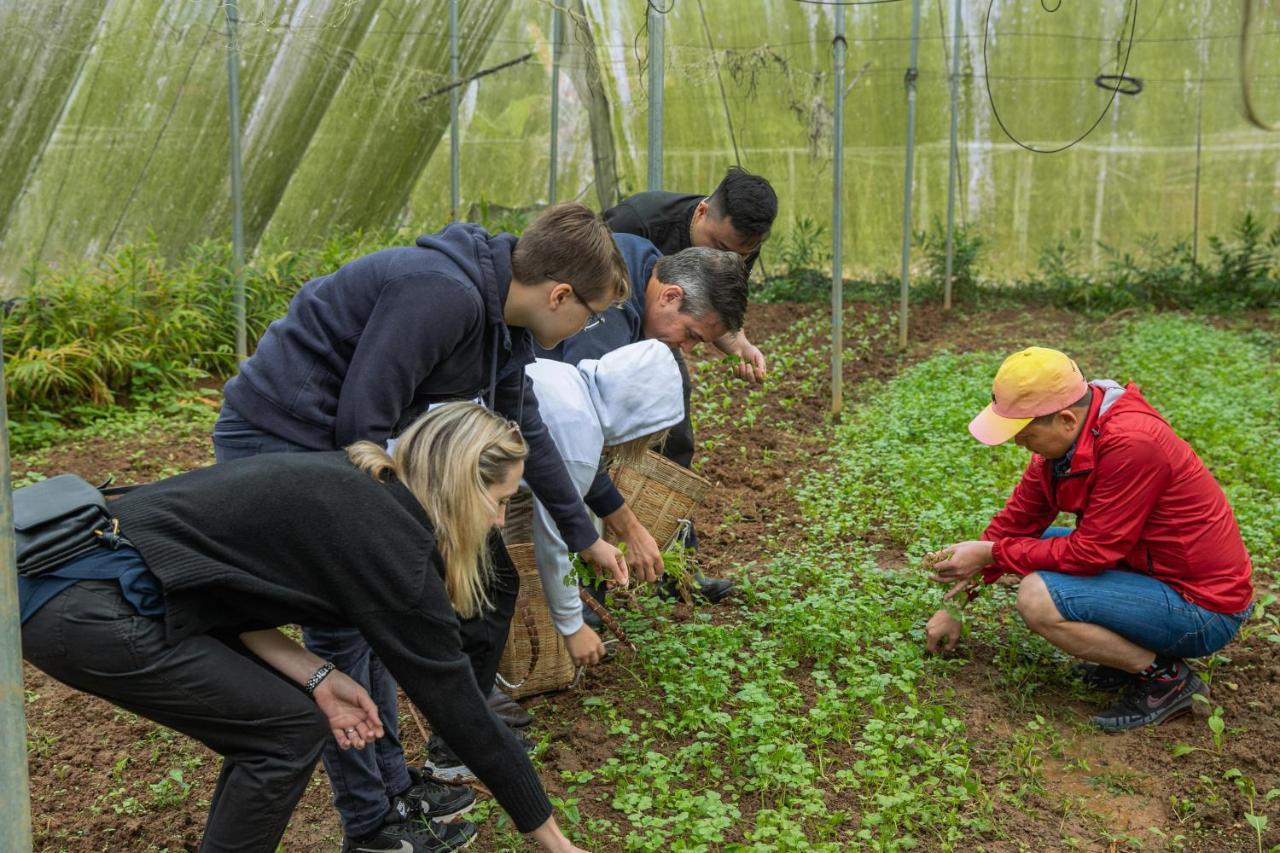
pixel 1140 608
pixel 363 780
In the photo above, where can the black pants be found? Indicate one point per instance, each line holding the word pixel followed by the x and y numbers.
pixel 268 732
pixel 679 446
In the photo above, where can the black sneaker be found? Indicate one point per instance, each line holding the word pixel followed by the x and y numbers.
pixel 433 800
pixel 443 764
pixel 1149 702
pixel 414 836
pixel 1096 676
pixel 711 590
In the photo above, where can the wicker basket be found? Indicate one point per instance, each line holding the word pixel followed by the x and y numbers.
pixel 535 659
pixel 662 494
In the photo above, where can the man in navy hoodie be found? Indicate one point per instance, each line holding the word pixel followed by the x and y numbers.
pixel 361 354
pixel 694 296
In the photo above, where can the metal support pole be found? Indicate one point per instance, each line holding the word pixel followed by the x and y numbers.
pixel 952 164
pixel 907 177
pixel 557 36
pixel 1195 200
pixel 237 204
pixel 454 178
pixel 837 221
pixel 656 61
pixel 15 804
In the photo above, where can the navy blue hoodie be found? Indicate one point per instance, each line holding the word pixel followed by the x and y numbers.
pixel 364 350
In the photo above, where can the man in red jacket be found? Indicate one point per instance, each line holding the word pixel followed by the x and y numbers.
pixel 1155 570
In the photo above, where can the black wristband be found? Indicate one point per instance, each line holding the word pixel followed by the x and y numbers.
pixel 318 676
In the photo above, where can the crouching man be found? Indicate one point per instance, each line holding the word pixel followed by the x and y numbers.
pixel 1155 570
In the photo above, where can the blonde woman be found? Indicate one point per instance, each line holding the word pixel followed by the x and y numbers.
pixel 394 545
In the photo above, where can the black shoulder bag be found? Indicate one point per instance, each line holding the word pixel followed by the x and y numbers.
pixel 59 519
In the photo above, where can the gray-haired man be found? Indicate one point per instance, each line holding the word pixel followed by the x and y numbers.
pixel 694 296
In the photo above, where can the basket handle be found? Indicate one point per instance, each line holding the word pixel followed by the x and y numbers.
pixel 535 646
pixel 607 618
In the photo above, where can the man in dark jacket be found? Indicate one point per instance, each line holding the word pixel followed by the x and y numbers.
pixel 366 349
pixel 1155 570
pixel 694 296
pixel 737 218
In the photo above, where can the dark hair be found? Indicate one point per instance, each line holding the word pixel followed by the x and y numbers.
pixel 712 281
pixel 572 244
pixel 748 200
pixel 1082 403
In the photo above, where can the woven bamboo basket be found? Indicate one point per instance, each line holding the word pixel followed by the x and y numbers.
pixel 662 494
pixel 535 659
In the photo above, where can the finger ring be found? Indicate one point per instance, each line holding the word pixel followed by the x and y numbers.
pixel 349 731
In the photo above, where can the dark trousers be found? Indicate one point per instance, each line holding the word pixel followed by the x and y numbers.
pixel 679 445
pixel 364 780
pixel 268 732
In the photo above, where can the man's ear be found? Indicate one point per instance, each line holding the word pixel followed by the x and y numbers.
pixel 700 212
pixel 672 294
pixel 558 294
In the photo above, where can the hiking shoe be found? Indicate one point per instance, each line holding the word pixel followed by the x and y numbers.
pixel 508 709
pixel 433 800
pixel 1099 677
pixel 1149 702
pixel 443 764
pixel 414 836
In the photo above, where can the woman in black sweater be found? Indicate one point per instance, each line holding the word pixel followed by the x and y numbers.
pixel 336 539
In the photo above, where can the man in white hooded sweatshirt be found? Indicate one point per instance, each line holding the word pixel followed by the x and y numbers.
pixel 627 394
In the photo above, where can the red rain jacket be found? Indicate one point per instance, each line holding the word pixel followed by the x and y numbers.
pixel 1143 501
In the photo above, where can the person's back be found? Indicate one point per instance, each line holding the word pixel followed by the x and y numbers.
pixel 324 374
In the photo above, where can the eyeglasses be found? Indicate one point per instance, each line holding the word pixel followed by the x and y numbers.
pixel 594 319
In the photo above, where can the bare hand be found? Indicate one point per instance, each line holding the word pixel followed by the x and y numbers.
pixel 960 561
pixel 941 632
pixel 643 555
pixel 585 647
pixel 608 560
pixel 353 716
pixel 752 365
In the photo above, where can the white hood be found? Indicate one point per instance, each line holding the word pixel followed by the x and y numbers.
pixel 636 391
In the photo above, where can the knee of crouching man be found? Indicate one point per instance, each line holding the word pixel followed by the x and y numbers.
pixel 1034 604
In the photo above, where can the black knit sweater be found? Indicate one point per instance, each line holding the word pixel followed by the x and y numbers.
pixel 307 538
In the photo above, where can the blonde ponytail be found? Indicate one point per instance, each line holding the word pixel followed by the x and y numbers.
pixel 448 458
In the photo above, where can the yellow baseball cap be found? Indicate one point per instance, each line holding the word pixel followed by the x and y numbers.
pixel 1029 384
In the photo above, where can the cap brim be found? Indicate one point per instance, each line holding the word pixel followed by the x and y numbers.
pixel 993 429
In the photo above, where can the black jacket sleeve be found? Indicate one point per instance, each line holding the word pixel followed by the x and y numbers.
pixel 422 649
pixel 544 469
pixel 623 218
